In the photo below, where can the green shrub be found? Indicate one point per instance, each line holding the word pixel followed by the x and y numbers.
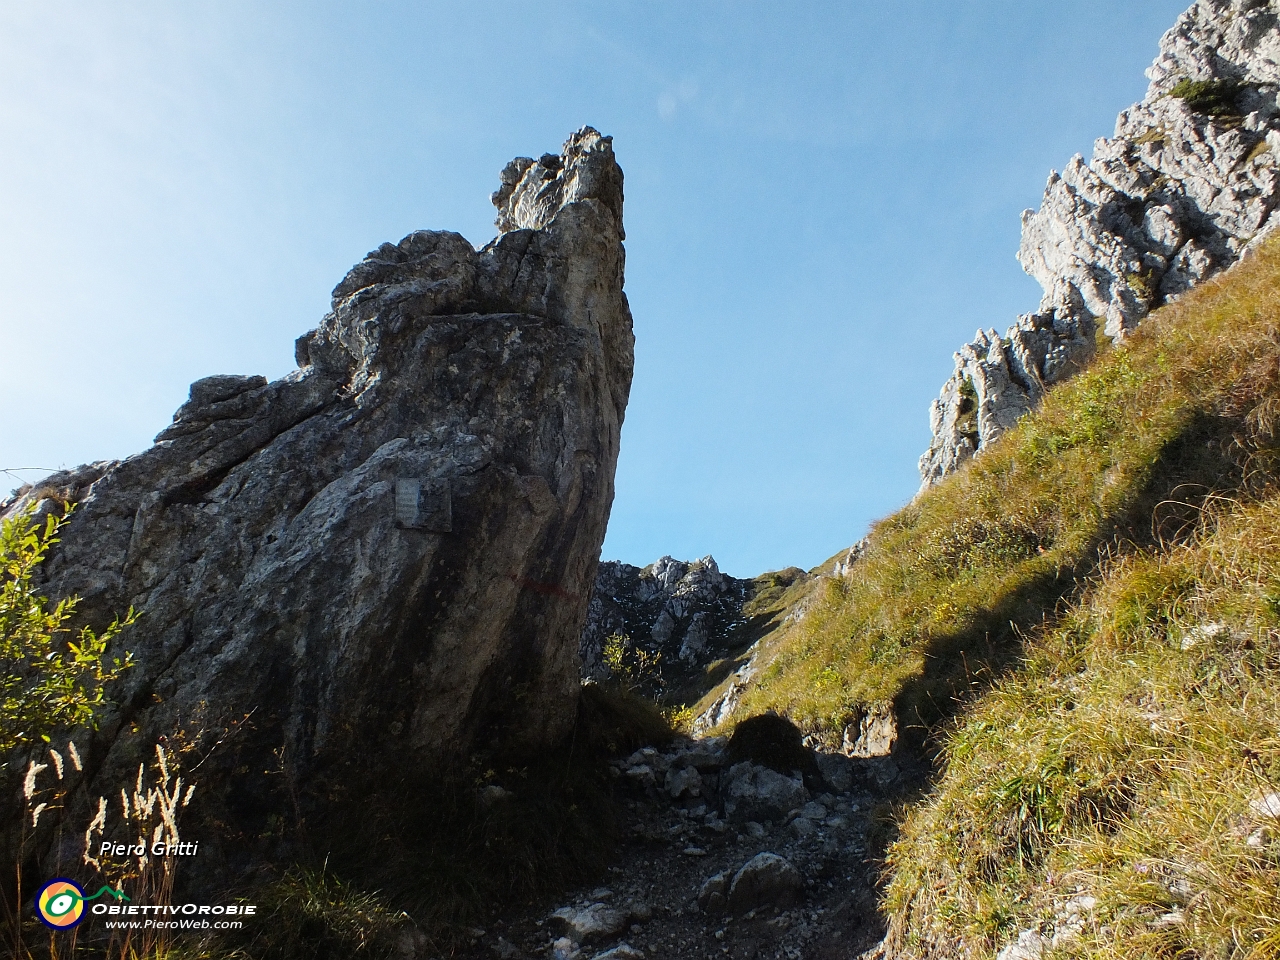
pixel 1217 98
pixel 967 423
pixel 317 915
pixel 633 667
pixel 47 680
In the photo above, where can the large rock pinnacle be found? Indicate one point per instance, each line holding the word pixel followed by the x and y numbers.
pixel 1191 177
pixel 384 558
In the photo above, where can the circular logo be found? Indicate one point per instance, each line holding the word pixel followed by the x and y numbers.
pixel 60 904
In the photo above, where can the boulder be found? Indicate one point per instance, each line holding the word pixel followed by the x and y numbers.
pixel 766 880
pixel 773 741
pixel 371 564
pixel 713 896
pixel 642 775
pixel 836 770
pixel 592 923
pixel 803 827
pixel 1266 806
pixel 683 781
pixel 813 811
pixel 623 951
pixel 755 793
pixel 706 754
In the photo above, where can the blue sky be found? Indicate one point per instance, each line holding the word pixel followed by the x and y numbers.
pixel 822 204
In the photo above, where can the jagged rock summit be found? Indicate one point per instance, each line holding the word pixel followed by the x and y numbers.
pixel 683 611
pixel 1188 180
pixel 369 564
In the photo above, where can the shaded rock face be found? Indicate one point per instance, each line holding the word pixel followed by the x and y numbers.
pixel 685 611
pixel 370 564
pixel 1189 179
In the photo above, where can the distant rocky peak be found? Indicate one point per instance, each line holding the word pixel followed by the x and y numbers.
pixel 676 576
pixel 667 572
pixel 682 610
pixel 1234 39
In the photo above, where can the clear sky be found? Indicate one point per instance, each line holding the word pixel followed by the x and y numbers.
pixel 822 205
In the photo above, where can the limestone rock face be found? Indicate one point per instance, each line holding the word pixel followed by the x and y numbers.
pixel 872 733
pixel 1189 179
pixel 685 611
pixel 380 558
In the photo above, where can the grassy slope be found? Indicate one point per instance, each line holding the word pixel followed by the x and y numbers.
pixel 1122 454
pixel 767 615
pixel 1117 764
pixel 1046 593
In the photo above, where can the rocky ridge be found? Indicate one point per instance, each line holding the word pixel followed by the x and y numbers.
pixel 387 555
pixel 685 611
pixel 1190 178
pixel 698 629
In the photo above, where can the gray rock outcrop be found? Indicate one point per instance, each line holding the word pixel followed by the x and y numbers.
pixel 872 732
pixel 593 923
pixel 685 611
pixel 368 565
pixel 1187 182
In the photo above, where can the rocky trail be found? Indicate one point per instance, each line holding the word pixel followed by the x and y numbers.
pixel 724 859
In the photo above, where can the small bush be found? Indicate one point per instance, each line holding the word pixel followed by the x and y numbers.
pixel 313 914
pixel 1217 98
pixel 967 422
pixel 613 721
pixel 47 680
pixel 633 667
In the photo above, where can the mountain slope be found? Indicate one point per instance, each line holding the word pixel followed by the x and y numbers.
pixel 1124 455
pixel 1098 596
pixel 1119 796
